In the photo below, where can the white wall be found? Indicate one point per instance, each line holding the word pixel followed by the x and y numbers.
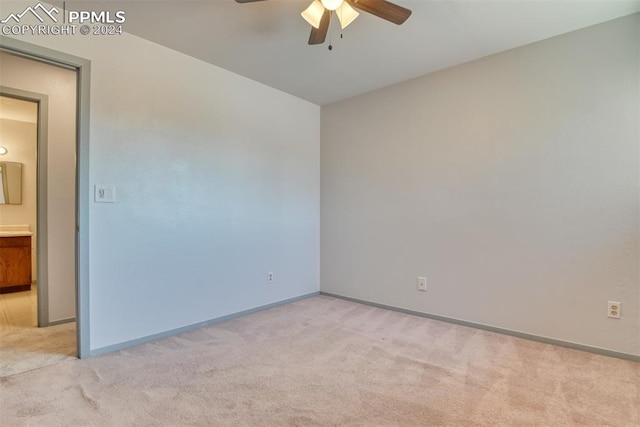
pixel 217 183
pixel 60 85
pixel 511 182
pixel 20 140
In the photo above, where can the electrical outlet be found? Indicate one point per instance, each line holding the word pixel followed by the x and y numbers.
pixel 422 284
pixel 270 277
pixel 614 309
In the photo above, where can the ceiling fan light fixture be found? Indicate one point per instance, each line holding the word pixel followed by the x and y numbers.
pixel 332 4
pixel 313 14
pixel 346 14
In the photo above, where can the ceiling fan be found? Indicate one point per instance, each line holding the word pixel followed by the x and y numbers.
pixel 318 14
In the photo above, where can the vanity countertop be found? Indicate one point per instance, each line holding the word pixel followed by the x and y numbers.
pixel 15 231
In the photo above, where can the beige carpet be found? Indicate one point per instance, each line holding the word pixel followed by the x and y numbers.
pixel 329 362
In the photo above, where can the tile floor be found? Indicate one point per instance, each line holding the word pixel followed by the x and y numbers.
pixel 19 310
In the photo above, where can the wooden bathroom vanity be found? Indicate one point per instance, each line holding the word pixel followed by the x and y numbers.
pixel 15 261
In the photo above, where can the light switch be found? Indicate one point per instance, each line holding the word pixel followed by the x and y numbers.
pixel 105 194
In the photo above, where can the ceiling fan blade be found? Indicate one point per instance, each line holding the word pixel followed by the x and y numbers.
pixel 318 35
pixel 247 1
pixel 383 9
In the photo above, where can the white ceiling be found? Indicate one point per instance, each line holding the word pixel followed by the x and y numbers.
pixel 267 40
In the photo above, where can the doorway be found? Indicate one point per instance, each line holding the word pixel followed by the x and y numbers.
pixel 57 309
pixel 30 337
pixel 18 212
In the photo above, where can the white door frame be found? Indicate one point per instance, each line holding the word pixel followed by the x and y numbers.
pixel 83 68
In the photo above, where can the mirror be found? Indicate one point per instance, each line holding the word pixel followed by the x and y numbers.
pixel 10 183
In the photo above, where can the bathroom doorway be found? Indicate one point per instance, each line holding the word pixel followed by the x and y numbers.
pixel 66 193
pixel 18 212
pixel 53 89
pixel 28 342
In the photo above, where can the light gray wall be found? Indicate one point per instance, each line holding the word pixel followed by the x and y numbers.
pixel 60 85
pixel 20 139
pixel 217 183
pixel 510 182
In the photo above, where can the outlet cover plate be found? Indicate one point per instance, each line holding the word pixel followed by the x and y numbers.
pixel 422 284
pixel 614 309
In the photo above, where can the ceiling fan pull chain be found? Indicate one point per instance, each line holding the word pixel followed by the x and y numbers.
pixel 330 32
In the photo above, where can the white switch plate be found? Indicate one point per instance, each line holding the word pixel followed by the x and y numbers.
pixel 105 194
pixel 422 284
